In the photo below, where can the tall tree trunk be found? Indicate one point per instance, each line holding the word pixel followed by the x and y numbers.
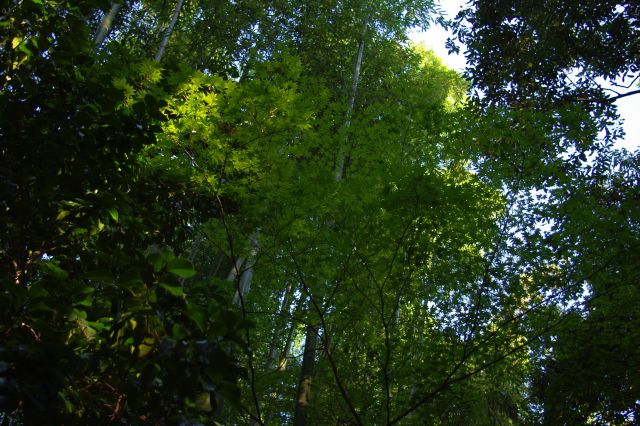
pixel 282 359
pixel 235 275
pixel 306 375
pixel 242 279
pixel 235 269
pixel 284 354
pixel 167 32
pixel 342 155
pixel 246 274
pixel 285 308
pixel 105 25
pixel 244 285
pixel 283 312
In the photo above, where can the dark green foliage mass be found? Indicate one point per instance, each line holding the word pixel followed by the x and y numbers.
pixel 520 49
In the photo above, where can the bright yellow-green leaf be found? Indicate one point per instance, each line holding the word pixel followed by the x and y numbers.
pixel 62 214
pixel 145 347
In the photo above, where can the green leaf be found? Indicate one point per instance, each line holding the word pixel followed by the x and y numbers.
pixel 181 267
pixel 146 346
pixel 85 302
pixel 173 290
pixel 62 214
pixel 203 402
pixel 197 316
pixel 77 314
pixel 68 405
pixel 178 332
pixel 167 254
pixel 156 260
pixel 114 214
pixel 54 270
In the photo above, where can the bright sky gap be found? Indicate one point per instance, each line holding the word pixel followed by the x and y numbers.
pixel 435 39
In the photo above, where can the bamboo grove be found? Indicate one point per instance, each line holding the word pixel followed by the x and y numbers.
pixel 271 212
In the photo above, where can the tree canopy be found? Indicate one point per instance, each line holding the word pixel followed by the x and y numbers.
pixel 283 212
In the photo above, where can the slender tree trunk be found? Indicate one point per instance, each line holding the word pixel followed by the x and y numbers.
pixel 235 269
pixel 282 360
pixel 167 32
pixel 285 309
pixel 244 283
pixel 232 276
pixel 342 155
pixel 283 312
pixel 105 25
pixel 242 279
pixel 396 311
pixel 356 73
pixel 306 375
